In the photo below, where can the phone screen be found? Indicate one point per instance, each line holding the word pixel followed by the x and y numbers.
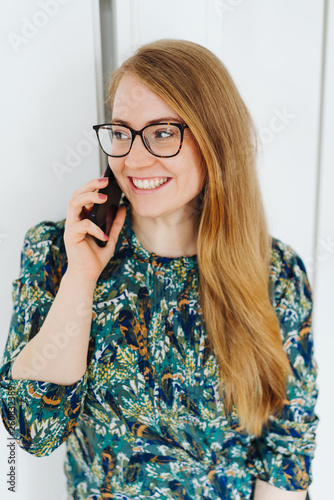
pixel 104 214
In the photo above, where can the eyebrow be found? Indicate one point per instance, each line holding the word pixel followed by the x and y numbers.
pixel 156 120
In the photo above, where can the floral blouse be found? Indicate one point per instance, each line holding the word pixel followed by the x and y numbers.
pixel 145 420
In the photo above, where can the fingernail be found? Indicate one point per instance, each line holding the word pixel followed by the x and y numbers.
pixel 103 179
pixel 106 237
pixel 103 196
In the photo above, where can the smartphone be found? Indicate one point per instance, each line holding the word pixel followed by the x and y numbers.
pixel 103 215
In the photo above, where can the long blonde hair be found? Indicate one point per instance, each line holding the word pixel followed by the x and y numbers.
pixel 234 247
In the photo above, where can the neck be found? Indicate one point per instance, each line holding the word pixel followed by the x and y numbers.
pixel 167 236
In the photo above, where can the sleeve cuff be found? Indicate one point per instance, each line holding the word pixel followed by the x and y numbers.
pixel 50 393
pixel 41 415
pixel 284 458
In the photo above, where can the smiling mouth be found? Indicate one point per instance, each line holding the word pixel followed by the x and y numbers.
pixel 153 183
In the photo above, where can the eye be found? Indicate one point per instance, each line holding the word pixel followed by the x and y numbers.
pixel 120 134
pixel 163 133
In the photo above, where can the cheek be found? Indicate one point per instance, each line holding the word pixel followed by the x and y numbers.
pixel 196 174
pixel 116 167
pixel 195 161
pixel 193 182
pixel 114 164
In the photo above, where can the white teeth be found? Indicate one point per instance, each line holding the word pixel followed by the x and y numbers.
pixel 148 184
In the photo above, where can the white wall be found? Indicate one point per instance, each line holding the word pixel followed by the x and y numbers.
pixel 324 293
pixel 274 53
pixel 48 105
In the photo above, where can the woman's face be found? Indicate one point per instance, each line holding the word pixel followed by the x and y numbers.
pixel 137 106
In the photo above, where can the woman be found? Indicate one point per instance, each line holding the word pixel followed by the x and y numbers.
pixel 176 361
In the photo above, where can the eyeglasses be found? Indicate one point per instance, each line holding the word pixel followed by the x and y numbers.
pixel 160 139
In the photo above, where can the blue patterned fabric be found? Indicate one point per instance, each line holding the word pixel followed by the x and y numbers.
pixel 145 420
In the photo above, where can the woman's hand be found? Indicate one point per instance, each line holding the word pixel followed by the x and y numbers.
pixel 265 491
pixel 86 259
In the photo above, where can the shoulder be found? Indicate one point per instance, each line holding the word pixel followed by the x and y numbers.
pixel 45 231
pixel 292 301
pixel 285 261
pixel 43 254
pixel 290 290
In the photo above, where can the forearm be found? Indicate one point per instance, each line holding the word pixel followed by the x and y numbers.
pixel 265 491
pixel 58 353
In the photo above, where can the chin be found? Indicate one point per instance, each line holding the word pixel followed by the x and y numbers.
pixel 144 212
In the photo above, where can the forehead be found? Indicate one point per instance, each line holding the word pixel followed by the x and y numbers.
pixel 134 102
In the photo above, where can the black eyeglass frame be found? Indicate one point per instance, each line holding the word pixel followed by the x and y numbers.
pixel 134 133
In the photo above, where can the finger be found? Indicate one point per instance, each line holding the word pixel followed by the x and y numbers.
pixel 90 205
pixel 77 203
pixel 103 180
pixel 79 230
pixel 110 216
pixel 93 184
pixel 116 227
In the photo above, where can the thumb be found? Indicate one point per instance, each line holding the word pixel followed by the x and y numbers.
pixel 116 228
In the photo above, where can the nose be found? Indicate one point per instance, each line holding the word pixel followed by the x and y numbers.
pixel 139 156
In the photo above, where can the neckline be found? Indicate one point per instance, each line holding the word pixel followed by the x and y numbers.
pixel 143 255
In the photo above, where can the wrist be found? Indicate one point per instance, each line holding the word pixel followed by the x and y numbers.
pixel 78 280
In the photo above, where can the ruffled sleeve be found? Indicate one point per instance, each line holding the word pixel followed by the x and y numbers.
pixel 39 415
pixel 283 454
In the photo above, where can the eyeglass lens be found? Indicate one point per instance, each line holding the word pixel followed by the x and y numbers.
pixel 161 140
